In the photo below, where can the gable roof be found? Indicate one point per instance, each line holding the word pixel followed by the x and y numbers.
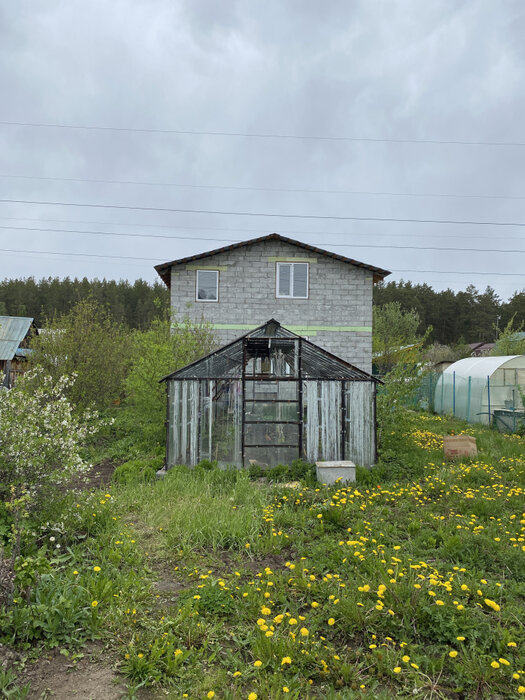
pixel 227 361
pixel 164 268
pixel 13 329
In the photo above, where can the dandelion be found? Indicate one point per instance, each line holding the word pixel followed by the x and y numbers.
pixel 286 660
pixel 286 689
pixel 177 652
pixel 460 639
pixel 94 603
pixel 252 696
pixel 504 662
pixel 406 658
pixel 304 632
pixel 397 669
pixel 292 621
pixel 265 610
pixel 211 694
pixel 521 689
pixel 140 655
pixel 331 621
pixel 494 664
pixel 96 568
pixel 314 604
pixel 492 604
pixel 75 573
pixel 511 644
pixel 257 663
pixel 237 674
pixel 452 654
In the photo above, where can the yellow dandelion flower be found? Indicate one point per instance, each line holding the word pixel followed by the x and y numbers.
pixel 406 658
pixel 211 694
pixel 397 669
pixel 94 604
pixel 452 654
pixel 331 621
pixel 257 663
pixel 494 664
pixel 286 660
pixel 252 696
pixel 96 568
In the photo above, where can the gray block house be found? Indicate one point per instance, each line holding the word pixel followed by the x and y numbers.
pixel 318 295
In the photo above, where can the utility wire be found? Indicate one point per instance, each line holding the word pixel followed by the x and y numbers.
pixel 130 257
pixel 239 240
pixel 390 234
pixel 255 135
pixel 269 215
pixel 295 190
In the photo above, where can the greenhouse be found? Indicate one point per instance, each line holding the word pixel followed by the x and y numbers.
pixel 484 390
pixel 269 398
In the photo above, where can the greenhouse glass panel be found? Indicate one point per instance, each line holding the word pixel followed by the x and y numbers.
pixel 266 399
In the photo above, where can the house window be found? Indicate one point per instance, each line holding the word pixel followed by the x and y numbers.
pixel 292 280
pixel 207 288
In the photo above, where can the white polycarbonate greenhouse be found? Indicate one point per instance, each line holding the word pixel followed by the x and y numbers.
pixel 483 390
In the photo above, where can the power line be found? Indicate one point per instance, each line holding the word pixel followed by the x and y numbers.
pixel 130 257
pixel 459 222
pixel 235 230
pixel 238 240
pixel 255 135
pixel 296 190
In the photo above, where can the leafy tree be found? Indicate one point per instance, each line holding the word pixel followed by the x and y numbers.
pixel 155 353
pixel 41 435
pixel 394 329
pixel 88 343
pixel 511 340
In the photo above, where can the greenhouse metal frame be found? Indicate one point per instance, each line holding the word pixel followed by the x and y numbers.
pixel 269 398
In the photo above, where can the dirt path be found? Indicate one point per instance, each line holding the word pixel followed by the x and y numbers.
pixel 90 677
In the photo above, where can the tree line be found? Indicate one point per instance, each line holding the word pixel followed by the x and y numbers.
pixel 467 316
pixel 134 304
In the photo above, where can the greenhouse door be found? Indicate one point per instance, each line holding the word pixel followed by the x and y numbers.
pixel 271 425
pixel 272 398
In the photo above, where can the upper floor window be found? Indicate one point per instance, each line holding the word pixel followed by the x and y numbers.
pixel 292 280
pixel 207 288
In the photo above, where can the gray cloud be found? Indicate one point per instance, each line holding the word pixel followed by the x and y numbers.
pixel 433 70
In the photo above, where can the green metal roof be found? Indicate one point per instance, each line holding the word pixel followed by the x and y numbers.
pixel 13 329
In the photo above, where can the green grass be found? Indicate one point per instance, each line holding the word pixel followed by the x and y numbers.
pixel 409 583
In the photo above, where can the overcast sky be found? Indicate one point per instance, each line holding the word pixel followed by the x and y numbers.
pixel 407 70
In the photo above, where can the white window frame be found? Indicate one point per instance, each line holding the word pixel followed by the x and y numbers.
pixel 277 279
pixel 213 301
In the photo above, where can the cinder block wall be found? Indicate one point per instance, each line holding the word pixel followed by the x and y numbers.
pixel 337 315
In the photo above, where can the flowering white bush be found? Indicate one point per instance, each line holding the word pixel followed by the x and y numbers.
pixel 40 436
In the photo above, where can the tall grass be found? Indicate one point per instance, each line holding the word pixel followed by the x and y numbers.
pixel 194 508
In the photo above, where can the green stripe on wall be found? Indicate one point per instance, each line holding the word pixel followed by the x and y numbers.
pixel 306 330
pixel 308 260
pixel 206 267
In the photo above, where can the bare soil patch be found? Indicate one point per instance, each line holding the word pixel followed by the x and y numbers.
pixel 56 676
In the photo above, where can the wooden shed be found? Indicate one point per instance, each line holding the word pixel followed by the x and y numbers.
pixel 268 398
pixel 15 335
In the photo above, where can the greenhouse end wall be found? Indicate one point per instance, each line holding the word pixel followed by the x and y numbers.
pixel 273 422
pixel 476 391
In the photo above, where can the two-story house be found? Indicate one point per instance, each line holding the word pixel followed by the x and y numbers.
pixel 322 296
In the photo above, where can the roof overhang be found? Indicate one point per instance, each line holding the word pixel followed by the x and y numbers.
pixel 164 269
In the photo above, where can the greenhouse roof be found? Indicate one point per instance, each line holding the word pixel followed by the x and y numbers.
pixel 480 366
pixel 228 361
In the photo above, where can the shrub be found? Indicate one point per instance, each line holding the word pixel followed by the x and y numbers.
pixel 137 471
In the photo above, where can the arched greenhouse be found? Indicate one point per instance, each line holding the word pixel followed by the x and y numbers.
pixel 486 390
